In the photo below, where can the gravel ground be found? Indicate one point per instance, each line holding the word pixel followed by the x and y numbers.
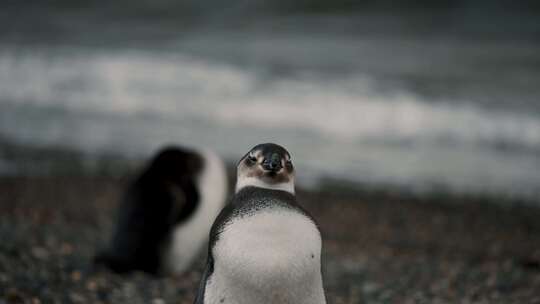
pixel 378 248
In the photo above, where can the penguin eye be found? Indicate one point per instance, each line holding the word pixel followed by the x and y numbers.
pixel 252 158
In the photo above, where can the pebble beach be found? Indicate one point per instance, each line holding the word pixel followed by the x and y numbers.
pixel 378 247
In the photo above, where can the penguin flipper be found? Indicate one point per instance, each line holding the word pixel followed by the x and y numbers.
pixel 199 299
pixel 184 201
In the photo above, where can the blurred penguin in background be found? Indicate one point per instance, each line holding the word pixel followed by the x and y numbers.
pixel 166 213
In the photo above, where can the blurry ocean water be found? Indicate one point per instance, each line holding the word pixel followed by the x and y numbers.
pixel 409 109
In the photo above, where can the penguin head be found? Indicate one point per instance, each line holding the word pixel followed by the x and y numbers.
pixel 267 166
pixel 175 164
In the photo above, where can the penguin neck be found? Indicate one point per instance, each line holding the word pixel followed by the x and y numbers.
pixel 243 182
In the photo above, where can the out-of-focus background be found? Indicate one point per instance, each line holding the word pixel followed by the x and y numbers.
pixel 423 96
pixel 414 127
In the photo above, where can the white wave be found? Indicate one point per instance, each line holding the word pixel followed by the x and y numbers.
pixel 103 97
pixel 123 83
pixel 175 86
pixel 351 114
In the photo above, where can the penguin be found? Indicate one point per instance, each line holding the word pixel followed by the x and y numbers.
pixel 166 212
pixel 263 248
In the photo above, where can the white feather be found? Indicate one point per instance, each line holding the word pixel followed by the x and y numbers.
pixel 272 256
pixel 191 235
pixel 243 181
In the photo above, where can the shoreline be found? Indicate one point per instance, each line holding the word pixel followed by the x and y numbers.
pixel 22 160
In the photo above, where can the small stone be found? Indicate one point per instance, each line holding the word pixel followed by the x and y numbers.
pixel 128 290
pixel 66 249
pixel 40 253
pixel 158 301
pixel 76 276
pixel 76 298
pixel 91 285
pixel 370 287
pixel 36 301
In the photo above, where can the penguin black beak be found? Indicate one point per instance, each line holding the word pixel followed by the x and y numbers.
pixel 272 164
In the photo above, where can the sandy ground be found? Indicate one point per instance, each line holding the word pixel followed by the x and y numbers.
pixel 378 248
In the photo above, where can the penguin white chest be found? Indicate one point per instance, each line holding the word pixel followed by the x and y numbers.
pixel 270 256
